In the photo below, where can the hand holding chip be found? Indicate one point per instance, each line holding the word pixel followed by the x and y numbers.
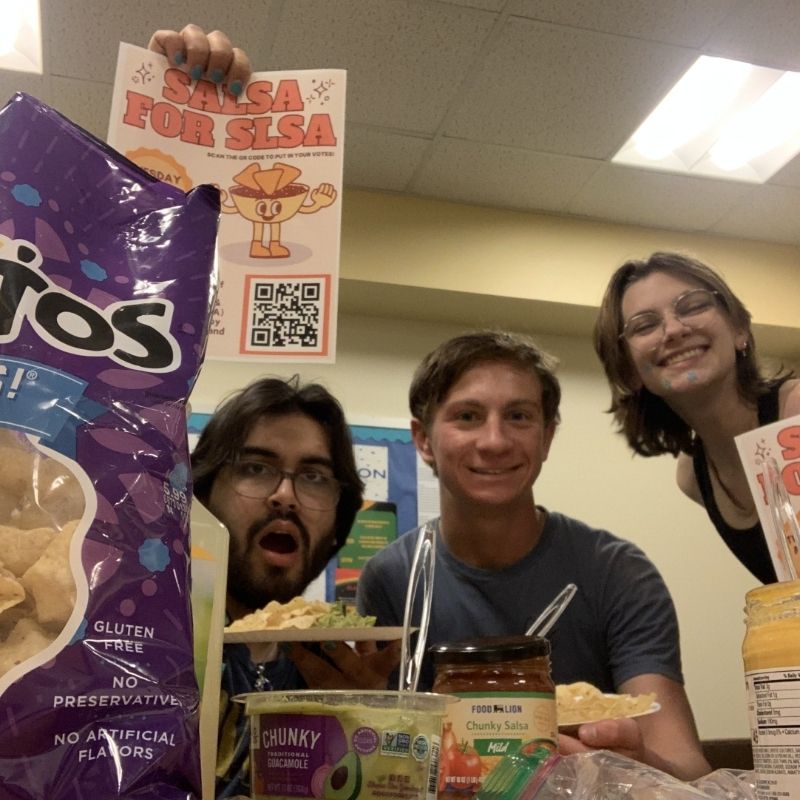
pixel 204 55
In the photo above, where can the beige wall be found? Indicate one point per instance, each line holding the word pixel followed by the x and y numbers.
pixel 590 473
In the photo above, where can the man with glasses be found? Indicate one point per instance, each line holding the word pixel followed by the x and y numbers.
pixel 275 465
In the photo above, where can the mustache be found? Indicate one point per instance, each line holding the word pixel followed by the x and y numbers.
pixel 257 528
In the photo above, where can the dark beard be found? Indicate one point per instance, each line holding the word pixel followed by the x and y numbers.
pixel 255 592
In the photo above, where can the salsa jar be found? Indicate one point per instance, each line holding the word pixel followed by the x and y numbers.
pixel 505 696
pixel 771 654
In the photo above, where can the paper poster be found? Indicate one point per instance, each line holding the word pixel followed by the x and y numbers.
pixel 276 154
pixel 771 458
pixel 375 526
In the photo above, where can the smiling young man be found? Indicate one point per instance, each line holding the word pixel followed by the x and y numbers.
pixel 485 411
pixel 275 465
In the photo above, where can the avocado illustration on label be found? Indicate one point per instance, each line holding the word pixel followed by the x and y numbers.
pixel 344 780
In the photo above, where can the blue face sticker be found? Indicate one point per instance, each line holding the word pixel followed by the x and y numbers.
pixel 691 376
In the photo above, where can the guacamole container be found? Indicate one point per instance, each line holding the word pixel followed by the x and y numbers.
pixel 343 745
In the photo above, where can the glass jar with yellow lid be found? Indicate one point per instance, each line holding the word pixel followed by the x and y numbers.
pixel 771 654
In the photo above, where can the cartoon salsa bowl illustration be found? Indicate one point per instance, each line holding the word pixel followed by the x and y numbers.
pixel 270 197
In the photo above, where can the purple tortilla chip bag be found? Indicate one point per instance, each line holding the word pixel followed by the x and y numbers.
pixel 106 278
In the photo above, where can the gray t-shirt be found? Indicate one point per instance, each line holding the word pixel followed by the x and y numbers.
pixel 621 623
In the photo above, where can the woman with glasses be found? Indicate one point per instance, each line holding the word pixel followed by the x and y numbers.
pixel 679 354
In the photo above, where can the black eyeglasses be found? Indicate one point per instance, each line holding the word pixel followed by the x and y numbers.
pixel 259 480
pixel 646 331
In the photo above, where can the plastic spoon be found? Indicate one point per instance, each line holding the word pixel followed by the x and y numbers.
pixel 422 567
pixel 782 514
pixel 548 617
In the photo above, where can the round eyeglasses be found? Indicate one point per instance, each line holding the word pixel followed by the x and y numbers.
pixel 693 309
pixel 259 480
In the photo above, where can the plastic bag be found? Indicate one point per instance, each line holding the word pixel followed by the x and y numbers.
pixel 106 279
pixel 606 775
pixel 536 772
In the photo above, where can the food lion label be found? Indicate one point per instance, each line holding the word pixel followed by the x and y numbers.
pixel 487 727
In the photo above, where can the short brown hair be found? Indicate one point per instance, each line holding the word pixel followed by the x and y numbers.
pixel 231 423
pixel 443 367
pixel 650 426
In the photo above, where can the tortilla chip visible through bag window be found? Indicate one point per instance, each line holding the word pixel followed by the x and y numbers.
pixel 50 579
pixel 11 590
pixel 98 351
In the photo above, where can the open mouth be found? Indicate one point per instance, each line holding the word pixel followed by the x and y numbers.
pixel 276 542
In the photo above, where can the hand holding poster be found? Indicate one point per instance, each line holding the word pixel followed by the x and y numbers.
pixel 771 458
pixel 276 154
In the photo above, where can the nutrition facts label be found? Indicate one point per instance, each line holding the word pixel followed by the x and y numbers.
pixel 777 700
pixel 773 704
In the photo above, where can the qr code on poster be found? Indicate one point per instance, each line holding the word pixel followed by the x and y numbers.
pixel 287 314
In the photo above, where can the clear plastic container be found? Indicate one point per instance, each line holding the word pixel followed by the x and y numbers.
pixel 344 745
pixel 771 654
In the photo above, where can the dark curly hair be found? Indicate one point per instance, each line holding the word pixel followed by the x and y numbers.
pixel 231 423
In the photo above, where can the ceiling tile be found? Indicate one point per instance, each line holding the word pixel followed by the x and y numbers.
pixel 487 5
pixel 405 59
pixel 380 159
pixel 656 199
pixel 763 32
pixel 684 22
pixel 788 176
pixel 499 176
pixel 86 103
pixel 562 90
pixel 36 85
pixel 76 49
pixel 768 212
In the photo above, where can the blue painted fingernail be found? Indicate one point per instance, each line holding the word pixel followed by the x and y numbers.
pixel 217 75
pixel 235 88
pixel 179 57
pixel 329 647
pixel 196 72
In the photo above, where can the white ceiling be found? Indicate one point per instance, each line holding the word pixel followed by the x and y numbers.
pixel 511 103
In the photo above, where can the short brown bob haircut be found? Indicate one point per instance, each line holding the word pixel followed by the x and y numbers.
pixel 444 366
pixel 228 428
pixel 649 425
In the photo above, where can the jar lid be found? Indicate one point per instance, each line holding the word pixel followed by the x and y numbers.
pixel 488 649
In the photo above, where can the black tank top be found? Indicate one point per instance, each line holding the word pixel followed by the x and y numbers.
pixel 748 544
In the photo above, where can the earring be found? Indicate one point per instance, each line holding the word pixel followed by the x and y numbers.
pixel 742 351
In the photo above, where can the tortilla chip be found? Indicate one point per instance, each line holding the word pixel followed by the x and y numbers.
pixel 11 590
pixel 245 177
pixel 273 180
pixel 25 640
pixel 22 548
pixel 50 579
pixel 15 469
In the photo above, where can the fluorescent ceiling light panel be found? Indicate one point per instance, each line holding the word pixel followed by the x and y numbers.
pixel 722 119
pixel 21 36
